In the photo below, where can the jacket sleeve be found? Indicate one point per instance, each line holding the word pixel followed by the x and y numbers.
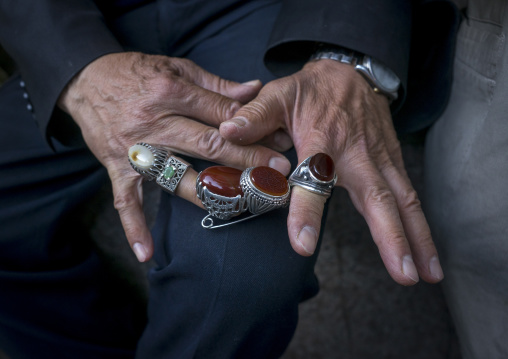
pixel 415 39
pixel 379 28
pixel 51 41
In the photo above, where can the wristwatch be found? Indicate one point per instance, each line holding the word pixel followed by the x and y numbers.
pixel 380 78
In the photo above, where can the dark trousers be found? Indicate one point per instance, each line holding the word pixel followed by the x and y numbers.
pixel 231 292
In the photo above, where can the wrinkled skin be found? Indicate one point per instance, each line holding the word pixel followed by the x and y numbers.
pixel 121 99
pixel 328 107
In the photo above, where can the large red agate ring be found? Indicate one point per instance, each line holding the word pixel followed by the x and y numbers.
pixel 218 188
pixel 315 174
pixel 264 189
pixel 227 192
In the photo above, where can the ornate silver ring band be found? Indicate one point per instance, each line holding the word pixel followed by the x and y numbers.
pixel 315 174
pixel 228 192
pixel 154 162
pixel 264 192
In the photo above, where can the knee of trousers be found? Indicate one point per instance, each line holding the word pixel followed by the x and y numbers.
pixel 225 290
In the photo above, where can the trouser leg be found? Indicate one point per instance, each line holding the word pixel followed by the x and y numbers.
pixel 230 292
pixel 466 175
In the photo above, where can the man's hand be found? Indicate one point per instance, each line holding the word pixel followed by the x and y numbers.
pixel 121 99
pixel 328 107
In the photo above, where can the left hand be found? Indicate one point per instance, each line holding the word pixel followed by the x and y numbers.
pixel 328 107
pixel 121 99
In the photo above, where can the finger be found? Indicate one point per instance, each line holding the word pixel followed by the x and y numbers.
pixel 415 225
pixel 259 118
pixel 304 220
pixel 128 201
pixel 200 141
pixel 187 187
pixel 242 92
pixel 192 101
pixel 413 219
pixel 374 199
pixel 279 141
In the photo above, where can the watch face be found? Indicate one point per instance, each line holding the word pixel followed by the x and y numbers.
pixel 384 76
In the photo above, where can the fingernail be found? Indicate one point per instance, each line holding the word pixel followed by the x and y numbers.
pixel 238 122
pixel 435 268
pixel 280 164
pixel 251 83
pixel 409 268
pixel 139 251
pixel 307 238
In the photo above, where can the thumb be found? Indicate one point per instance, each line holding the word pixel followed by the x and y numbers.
pixel 261 117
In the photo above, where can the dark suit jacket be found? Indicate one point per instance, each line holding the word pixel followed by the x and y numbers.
pixel 52 40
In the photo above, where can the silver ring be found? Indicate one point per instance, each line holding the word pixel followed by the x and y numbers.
pixel 220 205
pixel 157 163
pixel 147 160
pixel 315 174
pixel 260 200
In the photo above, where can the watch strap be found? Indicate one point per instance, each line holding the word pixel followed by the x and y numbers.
pixel 354 59
pixel 346 56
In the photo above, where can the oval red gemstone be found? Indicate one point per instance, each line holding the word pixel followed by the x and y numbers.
pixel 222 180
pixel 269 181
pixel 322 167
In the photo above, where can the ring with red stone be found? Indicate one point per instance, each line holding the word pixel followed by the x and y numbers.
pixel 154 162
pixel 315 174
pixel 218 188
pixel 264 189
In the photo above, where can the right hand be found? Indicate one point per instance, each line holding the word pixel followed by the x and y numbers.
pixel 328 107
pixel 124 98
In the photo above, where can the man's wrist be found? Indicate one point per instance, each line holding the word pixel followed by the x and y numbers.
pixel 380 78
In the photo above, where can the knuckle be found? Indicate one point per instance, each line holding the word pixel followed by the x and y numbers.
pixel 168 85
pixel 409 201
pixel 378 195
pixel 122 202
pixel 257 110
pixel 252 157
pixel 173 66
pixel 395 148
pixel 182 65
pixel 426 243
pixel 222 85
pixel 230 109
pixel 225 108
pixel 395 240
pixel 210 143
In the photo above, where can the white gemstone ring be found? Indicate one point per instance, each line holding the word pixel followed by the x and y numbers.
pixel 154 162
